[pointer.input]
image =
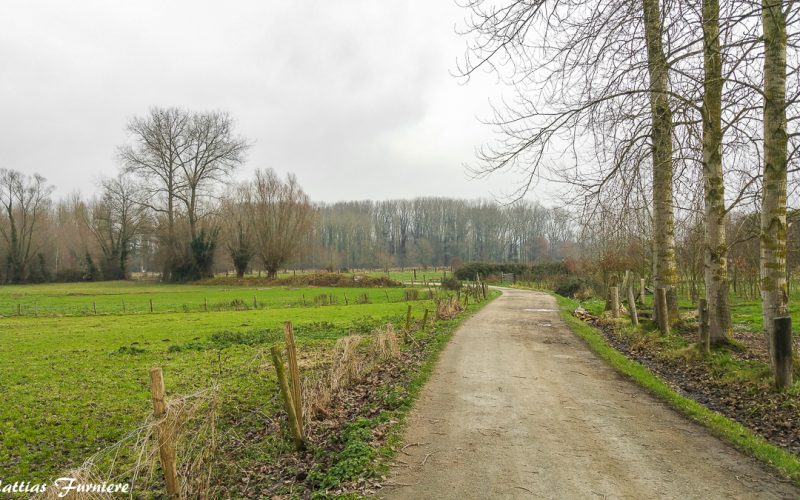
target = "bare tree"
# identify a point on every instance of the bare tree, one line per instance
(237, 227)
(774, 293)
(116, 220)
(24, 201)
(282, 215)
(184, 158)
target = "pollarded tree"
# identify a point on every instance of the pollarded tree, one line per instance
(116, 220)
(237, 227)
(281, 217)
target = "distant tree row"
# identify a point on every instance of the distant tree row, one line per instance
(172, 210)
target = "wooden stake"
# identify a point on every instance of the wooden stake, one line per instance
(286, 394)
(408, 318)
(642, 291)
(346, 302)
(151, 305)
(632, 306)
(702, 319)
(662, 310)
(166, 442)
(94, 307)
(255, 302)
(614, 296)
(123, 305)
(294, 372)
(424, 320)
(387, 296)
(19, 310)
(783, 352)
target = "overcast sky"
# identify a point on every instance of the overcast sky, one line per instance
(354, 97)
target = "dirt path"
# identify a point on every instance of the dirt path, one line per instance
(519, 407)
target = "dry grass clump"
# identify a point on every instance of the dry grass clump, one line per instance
(191, 420)
(448, 308)
(352, 358)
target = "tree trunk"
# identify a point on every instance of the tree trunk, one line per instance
(664, 266)
(716, 251)
(773, 209)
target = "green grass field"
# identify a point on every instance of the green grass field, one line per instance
(133, 297)
(77, 383)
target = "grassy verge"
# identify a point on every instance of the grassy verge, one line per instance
(742, 438)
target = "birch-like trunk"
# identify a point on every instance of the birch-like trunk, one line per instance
(774, 294)
(716, 251)
(664, 265)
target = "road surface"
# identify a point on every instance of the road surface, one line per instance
(518, 407)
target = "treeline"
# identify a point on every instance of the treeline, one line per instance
(438, 232)
(173, 211)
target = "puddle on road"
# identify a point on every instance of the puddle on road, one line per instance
(540, 310)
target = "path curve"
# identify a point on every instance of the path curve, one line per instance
(518, 407)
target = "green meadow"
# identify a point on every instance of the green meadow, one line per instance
(75, 382)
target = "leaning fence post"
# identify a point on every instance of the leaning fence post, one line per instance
(287, 397)
(632, 306)
(783, 352)
(166, 442)
(642, 290)
(294, 371)
(662, 310)
(702, 318)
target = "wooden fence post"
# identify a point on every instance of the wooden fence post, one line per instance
(387, 296)
(702, 318)
(286, 392)
(166, 435)
(346, 302)
(151, 305)
(642, 291)
(294, 371)
(123, 305)
(424, 319)
(408, 318)
(614, 292)
(255, 302)
(662, 310)
(632, 306)
(94, 307)
(783, 352)
(19, 310)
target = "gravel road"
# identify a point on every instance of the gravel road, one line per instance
(518, 407)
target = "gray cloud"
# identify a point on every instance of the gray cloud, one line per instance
(353, 96)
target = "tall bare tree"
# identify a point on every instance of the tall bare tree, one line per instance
(185, 157)
(774, 292)
(716, 264)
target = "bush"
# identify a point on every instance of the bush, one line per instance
(574, 288)
(451, 283)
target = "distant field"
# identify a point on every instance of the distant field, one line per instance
(403, 275)
(133, 297)
(77, 383)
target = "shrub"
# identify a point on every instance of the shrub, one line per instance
(575, 288)
(451, 283)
